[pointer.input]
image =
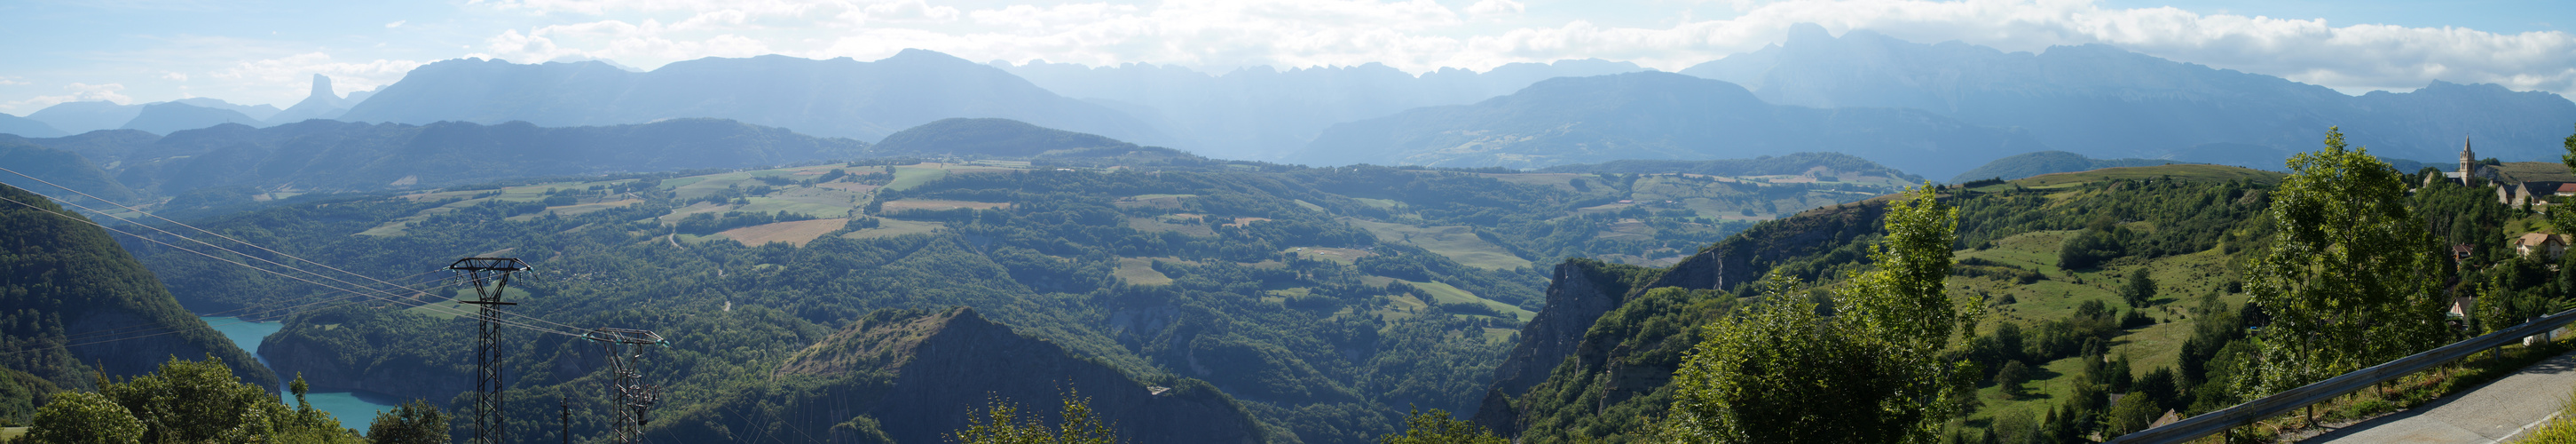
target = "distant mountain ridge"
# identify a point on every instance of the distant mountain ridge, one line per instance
(321, 103)
(1653, 115)
(68, 286)
(1263, 113)
(2045, 162)
(168, 117)
(25, 127)
(60, 167)
(341, 156)
(82, 117)
(831, 98)
(1795, 163)
(2107, 102)
(988, 137)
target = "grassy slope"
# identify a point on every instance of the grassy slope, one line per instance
(1459, 243)
(2148, 348)
(2210, 173)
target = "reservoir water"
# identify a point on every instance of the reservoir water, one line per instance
(353, 409)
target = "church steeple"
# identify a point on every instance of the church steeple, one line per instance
(2468, 162)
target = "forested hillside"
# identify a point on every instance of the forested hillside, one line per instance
(1324, 301)
(73, 305)
(2045, 162)
(226, 167)
(2118, 281)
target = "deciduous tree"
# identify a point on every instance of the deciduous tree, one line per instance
(2350, 278)
(84, 418)
(1002, 423)
(1873, 372)
(414, 422)
(1436, 427)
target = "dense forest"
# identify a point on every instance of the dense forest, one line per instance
(1343, 304)
(2130, 284)
(74, 307)
(1326, 302)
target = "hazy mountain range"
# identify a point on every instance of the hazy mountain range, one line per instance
(1654, 115)
(324, 155)
(832, 98)
(1934, 109)
(1263, 113)
(2103, 101)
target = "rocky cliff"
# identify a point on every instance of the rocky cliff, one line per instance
(1608, 337)
(1579, 293)
(911, 376)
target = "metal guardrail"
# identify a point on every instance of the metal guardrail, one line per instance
(2243, 414)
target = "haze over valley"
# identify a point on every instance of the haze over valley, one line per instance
(1272, 222)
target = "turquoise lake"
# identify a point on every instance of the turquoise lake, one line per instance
(354, 409)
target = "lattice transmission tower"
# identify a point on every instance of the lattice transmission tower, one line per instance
(490, 276)
(625, 349)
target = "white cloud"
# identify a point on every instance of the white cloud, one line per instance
(1422, 35)
(12, 81)
(174, 75)
(617, 40)
(79, 92)
(902, 11)
(291, 76)
(396, 24)
(1494, 8)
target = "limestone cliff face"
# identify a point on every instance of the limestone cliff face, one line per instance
(1620, 367)
(912, 377)
(1575, 298)
(1746, 256)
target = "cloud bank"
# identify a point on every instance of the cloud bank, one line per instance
(1422, 35)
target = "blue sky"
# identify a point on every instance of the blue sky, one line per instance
(263, 51)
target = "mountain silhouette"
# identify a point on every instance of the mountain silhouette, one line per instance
(2106, 102)
(1655, 115)
(834, 98)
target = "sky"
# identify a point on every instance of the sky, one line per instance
(265, 51)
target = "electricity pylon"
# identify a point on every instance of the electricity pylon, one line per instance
(490, 276)
(625, 349)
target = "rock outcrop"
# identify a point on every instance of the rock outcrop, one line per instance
(1625, 367)
(1575, 298)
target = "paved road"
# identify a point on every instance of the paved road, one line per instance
(2497, 411)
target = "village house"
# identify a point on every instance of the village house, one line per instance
(2550, 244)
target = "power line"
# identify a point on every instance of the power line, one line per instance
(567, 327)
(431, 307)
(85, 336)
